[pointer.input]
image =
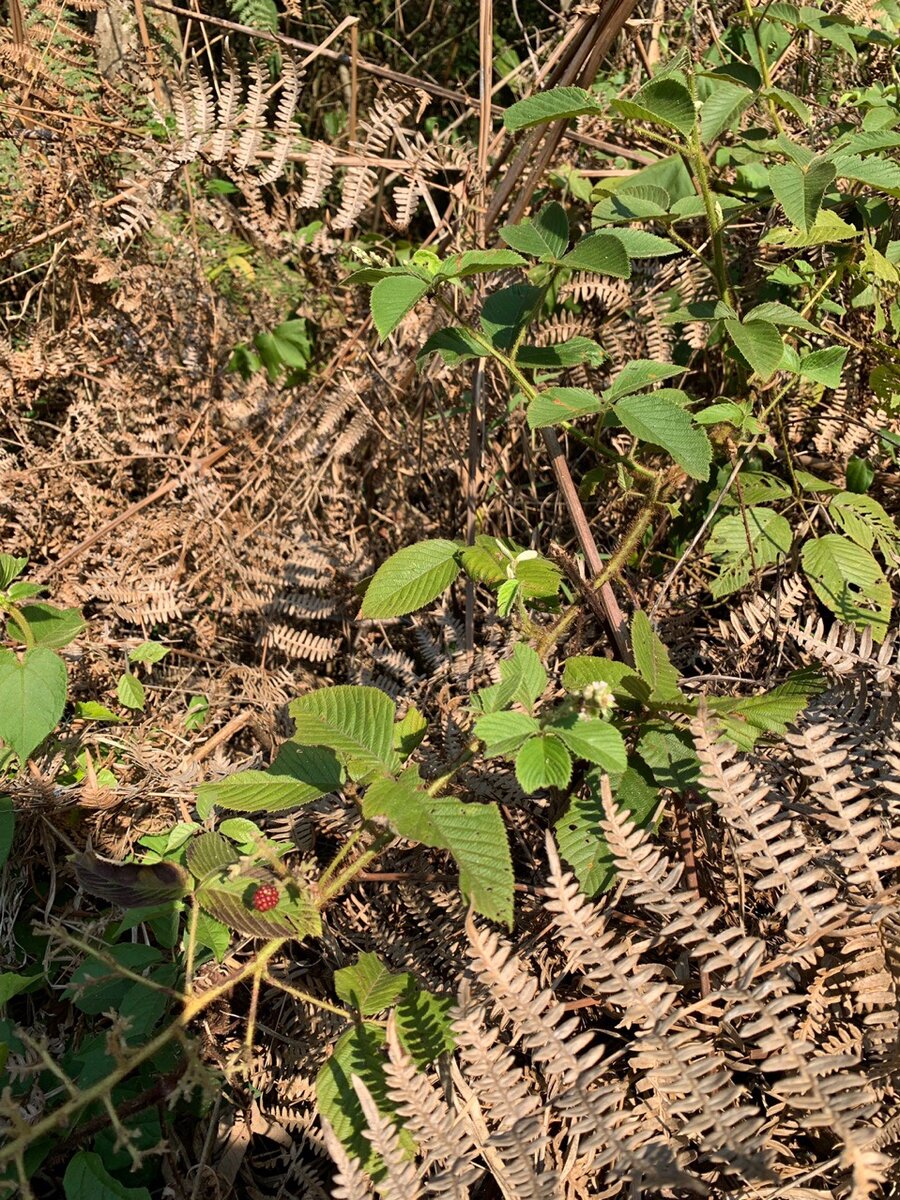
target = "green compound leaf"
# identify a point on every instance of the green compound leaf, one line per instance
(601, 253)
(357, 721)
(393, 298)
(559, 104)
(759, 342)
(369, 986)
(800, 190)
(32, 697)
(746, 542)
(865, 522)
(504, 732)
(411, 578)
(662, 102)
(299, 775)
(848, 581)
(659, 420)
(543, 236)
(579, 832)
(652, 660)
(473, 833)
(543, 762)
(594, 740)
(559, 404)
(744, 721)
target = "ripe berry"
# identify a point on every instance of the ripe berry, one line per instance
(266, 897)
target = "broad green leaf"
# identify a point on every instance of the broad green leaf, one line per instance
(477, 262)
(601, 253)
(538, 577)
(409, 732)
(866, 522)
(744, 721)
(543, 762)
(32, 697)
(583, 669)
(504, 732)
(7, 827)
(246, 834)
(10, 569)
(392, 298)
(570, 353)
(670, 755)
(130, 692)
(453, 344)
(824, 366)
(473, 833)
(148, 652)
(558, 104)
(358, 721)
(288, 344)
(656, 419)
(411, 578)
(662, 102)
(744, 543)
(51, 626)
(860, 475)
(208, 853)
(359, 1052)
(579, 832)
(213, 934)
(424, 1024)
(800, 191)
(592, 739)
(543, 236)
(632, 202)
(505, 313)
(759, 343)
(557, 404)
(86, 1178)
(876, 172)
(777, 313)
(636, 375)
(299, 775)
(369, 986)
(723, 105)
(652, 660)
(228, 896)
(639, 243)
(848, 581)
(523, 680)
(12, 984)
(829, 227)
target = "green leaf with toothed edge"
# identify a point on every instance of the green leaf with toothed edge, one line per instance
(543, 762)
(652, 660)
(411, 578)
(543, 236)
(32, 697)
(369, 986)
(357, 721)
(558, 104)
(392, 298)
(848, 581)
(299, 775)
(657, 419)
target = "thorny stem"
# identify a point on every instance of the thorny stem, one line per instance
(764, 69)
(358, 864)
(437, 786)
(350, 843)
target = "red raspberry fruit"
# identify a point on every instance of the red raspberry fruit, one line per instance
(266, 897)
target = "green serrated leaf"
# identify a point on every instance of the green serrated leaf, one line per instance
(601, 253)
(558, 104)
(409, 732)
(477, 262)
(210, 852)
(866, 522)
(213, 934)
(411, 578)
(570, 353)
(800, 190)
(543, 762)
(10, 568)
(504, 732)
(848, 581)
(663, 102)
(506, 312)
(744, 543)
(454, 345)
(639, 243)
(829, 227)
(594, 740)
(50, 626)
(670, 755)
(655, 418)
(358, 721)
(777, 313)
(130, 885)
(824, 366)
(652, 660)
(558, 404)
(759, 343)
(392, 298)
(148, 652)
(744, 721)
(130, 692)
(523, 680)
(583, 669)
(369, 986)
(32, 697)
(632, 202)
(228, 896)
(723, 105)
(299, 775)
(637, 375)
(543, 236)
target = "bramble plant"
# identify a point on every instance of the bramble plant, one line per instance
(699, 441)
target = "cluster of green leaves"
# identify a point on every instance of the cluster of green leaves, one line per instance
(287, 350)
